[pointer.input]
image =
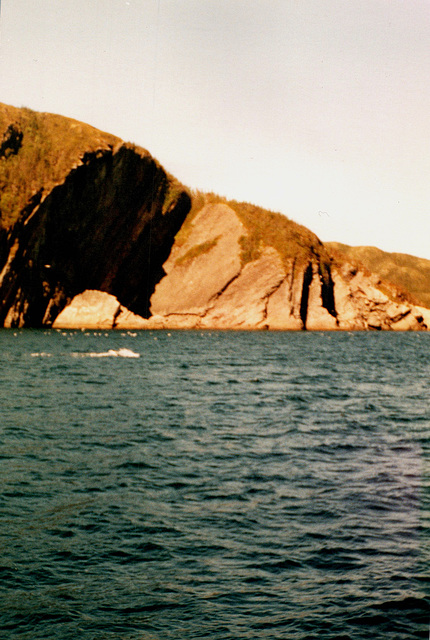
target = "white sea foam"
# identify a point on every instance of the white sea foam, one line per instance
(42, 354)
(112, 353)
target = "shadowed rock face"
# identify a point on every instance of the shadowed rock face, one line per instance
(109, 226)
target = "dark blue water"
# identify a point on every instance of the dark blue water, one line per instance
(220, 485)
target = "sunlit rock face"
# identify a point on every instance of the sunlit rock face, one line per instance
(207, 286)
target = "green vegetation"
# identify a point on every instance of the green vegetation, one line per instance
(250, 248)
(197, 250)
(174, 190)
(409, 274)
(38, 150)
(270, 229)
(49, 147)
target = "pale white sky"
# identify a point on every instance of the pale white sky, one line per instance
(319, 109)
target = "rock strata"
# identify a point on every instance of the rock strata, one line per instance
(207, 286)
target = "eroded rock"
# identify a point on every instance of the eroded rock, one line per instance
(201, 267)
(206, 286)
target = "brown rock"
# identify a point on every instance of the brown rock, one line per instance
(89, 310)
(207, 287)
(318, 317)
(283, 306)
(198, 270)
(243, 304)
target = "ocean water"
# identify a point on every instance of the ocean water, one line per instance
(221, 485)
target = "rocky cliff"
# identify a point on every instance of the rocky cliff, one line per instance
(100, 215)
(407, 272)
(213, 281)
(94, 233)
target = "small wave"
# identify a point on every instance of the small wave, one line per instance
(278, 566)
(42, 354)
(112, 353)
(134, 465)
(408, 603)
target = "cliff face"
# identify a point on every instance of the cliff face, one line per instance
(209, 284)
(220, 286)
(94, 233)
(109, 225)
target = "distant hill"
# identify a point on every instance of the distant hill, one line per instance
(405, 271)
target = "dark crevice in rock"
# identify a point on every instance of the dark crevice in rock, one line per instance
(327, 290)
(307, 279)
(221, 291)
(116, 316)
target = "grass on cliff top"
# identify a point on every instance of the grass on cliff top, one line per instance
(265, 229)
(408, 273)
(49, 147)
(401, 277)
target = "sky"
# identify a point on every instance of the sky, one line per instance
(319, 109)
